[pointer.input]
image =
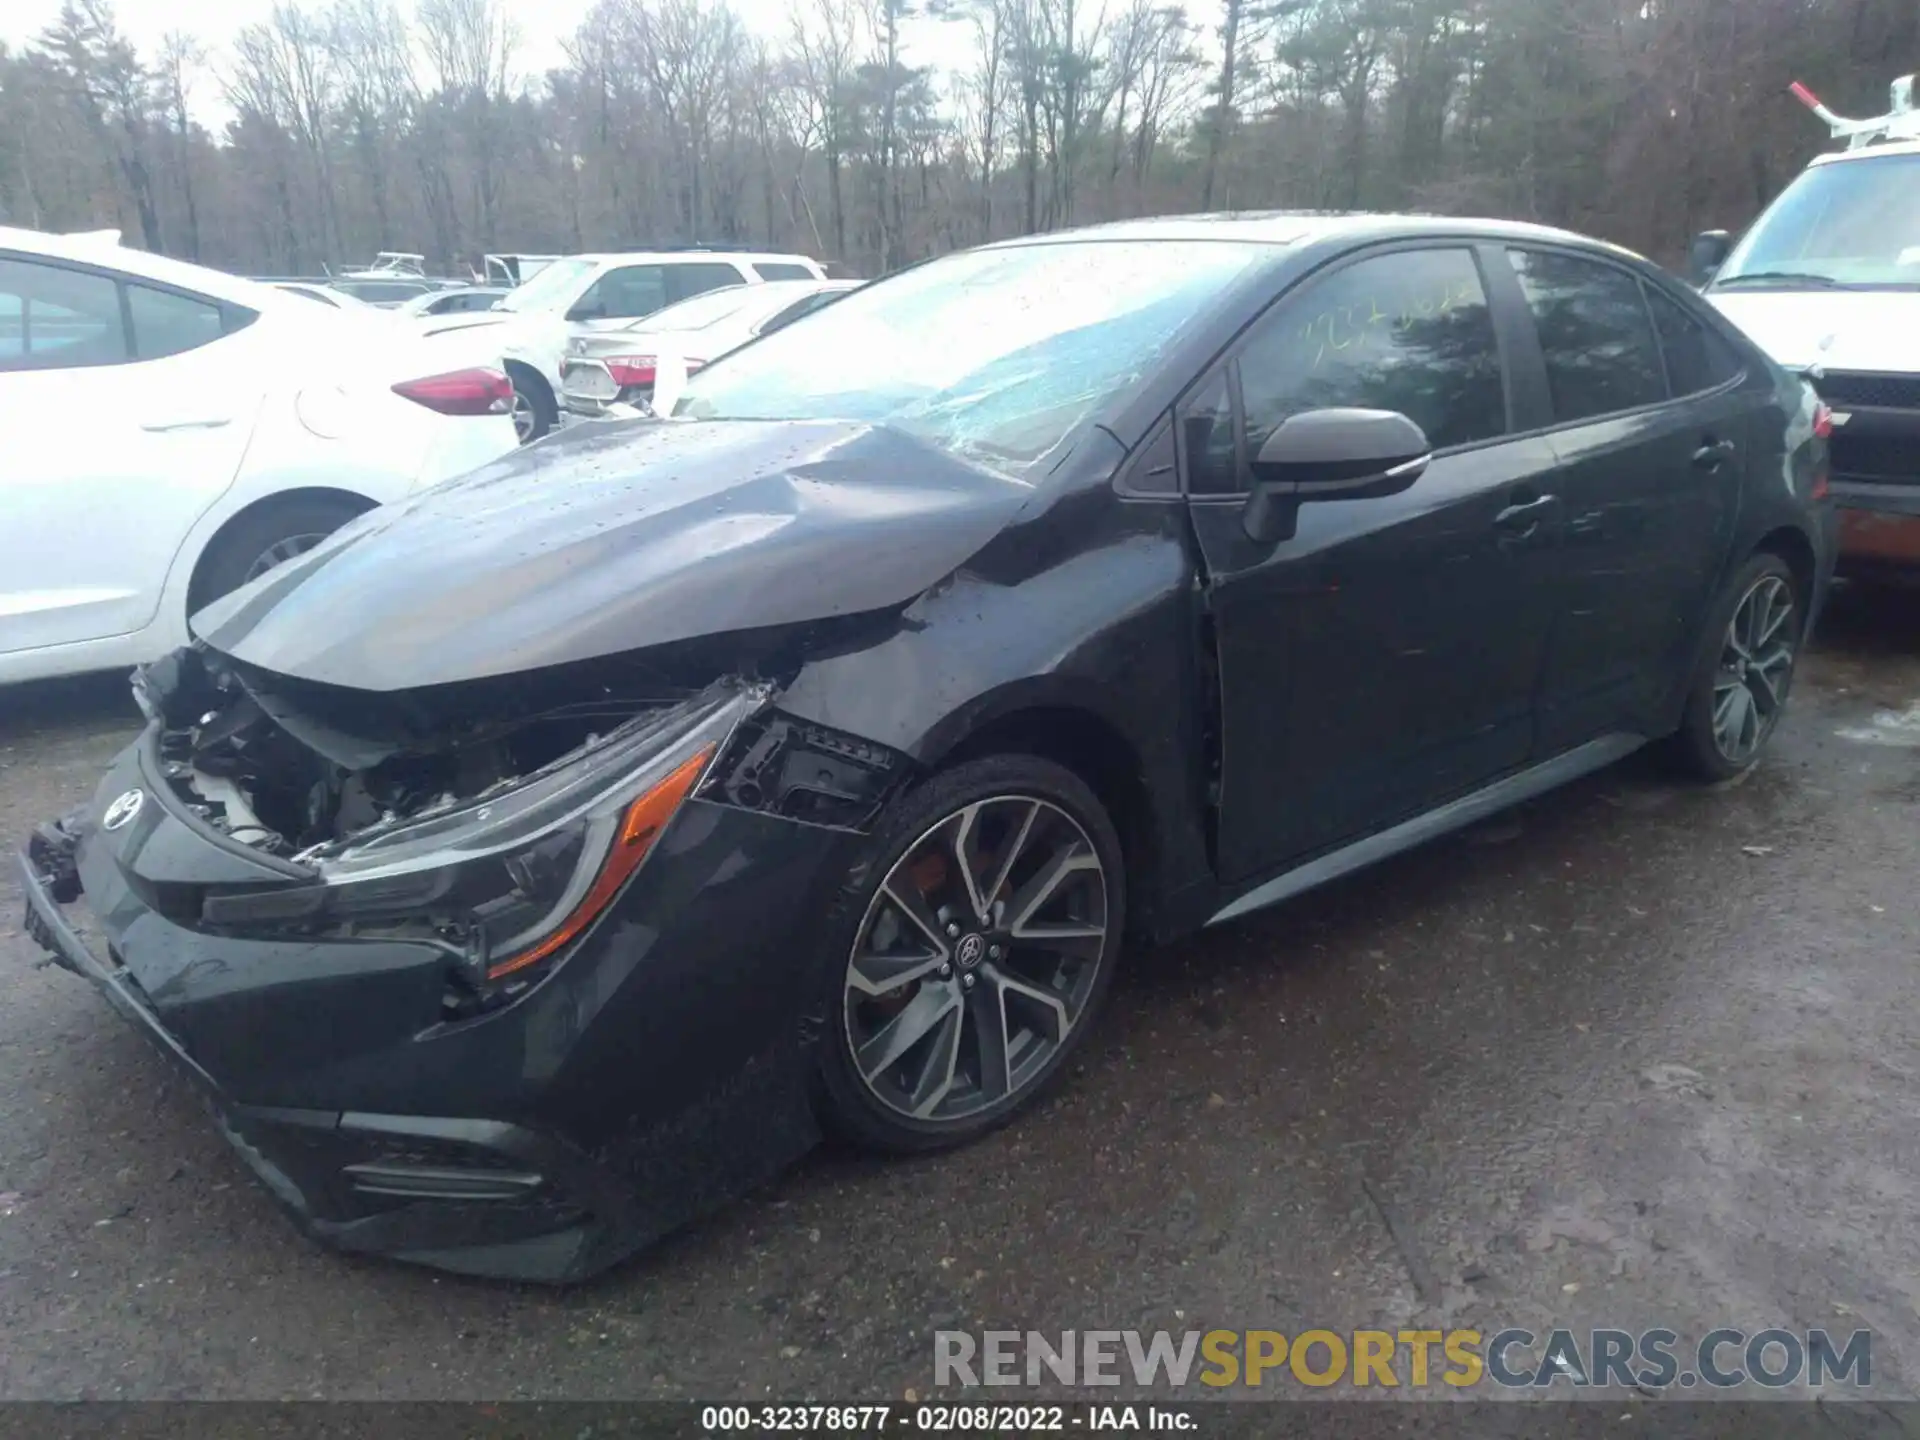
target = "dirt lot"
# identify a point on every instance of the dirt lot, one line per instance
(1637, 1055)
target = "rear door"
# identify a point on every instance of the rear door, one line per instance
(1649, 437)
(1385, 657)
(126, 408)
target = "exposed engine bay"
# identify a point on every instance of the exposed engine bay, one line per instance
(300, 770)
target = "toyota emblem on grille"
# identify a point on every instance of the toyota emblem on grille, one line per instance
(123, 809)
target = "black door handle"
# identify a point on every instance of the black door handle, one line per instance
(1713, 454)
(1525, 516)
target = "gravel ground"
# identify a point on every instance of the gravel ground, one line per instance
(1638, 1054)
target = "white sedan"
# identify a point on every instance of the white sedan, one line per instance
(171, 432)
(645, 361)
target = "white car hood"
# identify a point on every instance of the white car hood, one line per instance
(1836, 329)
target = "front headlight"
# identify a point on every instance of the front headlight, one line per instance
(507, 879)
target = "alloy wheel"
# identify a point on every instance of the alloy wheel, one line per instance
(280, 552)
(524, 415)
(1756, 665)
(976, 959)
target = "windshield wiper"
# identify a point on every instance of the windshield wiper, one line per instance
(1784, 277)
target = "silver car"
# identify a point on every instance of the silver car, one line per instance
(627, 366)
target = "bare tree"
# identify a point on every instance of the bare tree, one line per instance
(826, 42)
(355, 125)
(181, 59)
(114, 92)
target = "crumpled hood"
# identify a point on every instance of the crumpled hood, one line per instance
(614, 537)
(1837, 329)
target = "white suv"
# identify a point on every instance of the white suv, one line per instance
(168, 433)
(1827, 282)
(593, 292)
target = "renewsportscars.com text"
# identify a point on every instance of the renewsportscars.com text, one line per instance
(1656, 1359)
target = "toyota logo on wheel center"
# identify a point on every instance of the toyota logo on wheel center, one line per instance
(971, 949)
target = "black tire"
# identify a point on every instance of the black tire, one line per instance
(238, 552)
(1697, 748)
(531, 391)
(1001, 785)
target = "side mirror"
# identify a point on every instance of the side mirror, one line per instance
(1331, 455)
(1707, 254)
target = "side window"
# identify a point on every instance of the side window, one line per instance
(166, 324)
(1697, 359)
(781, 270)
(625, 294)
(55, 318)
(686, 281)
(1594, 332)
(1206, 441)
(1410, 331)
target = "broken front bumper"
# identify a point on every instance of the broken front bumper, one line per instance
(490, 1198)
(658, 1071)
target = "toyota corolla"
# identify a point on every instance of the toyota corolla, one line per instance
(541, 860)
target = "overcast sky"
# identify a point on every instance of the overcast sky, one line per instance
(544, 24)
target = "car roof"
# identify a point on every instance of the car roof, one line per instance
(626, 257)
(103, 248)
(1868, 152)
(1289, 228)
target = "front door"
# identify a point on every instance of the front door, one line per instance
(1384, 658)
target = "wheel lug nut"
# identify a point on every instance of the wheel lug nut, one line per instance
(993, 952)
(966, 982)
(946, 972)
(952, 930)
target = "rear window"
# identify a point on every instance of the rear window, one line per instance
(781, 270)
(166, 323)
(1697, 359)
(378, 292)
(702, 310)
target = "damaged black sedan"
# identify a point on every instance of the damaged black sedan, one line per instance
(542, 860)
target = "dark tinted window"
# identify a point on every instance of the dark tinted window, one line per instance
(166, 324)
(1598, 343)
(1697, 359)
(625, 294)
(776, 270)
(1409, 332)
(1206, 440)
(686, 281)
(382, 292)
(52, 318)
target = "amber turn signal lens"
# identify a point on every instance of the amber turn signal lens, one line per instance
(645, 818)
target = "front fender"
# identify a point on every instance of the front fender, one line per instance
(1105, 631)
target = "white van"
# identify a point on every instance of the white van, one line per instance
(1827, 281)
